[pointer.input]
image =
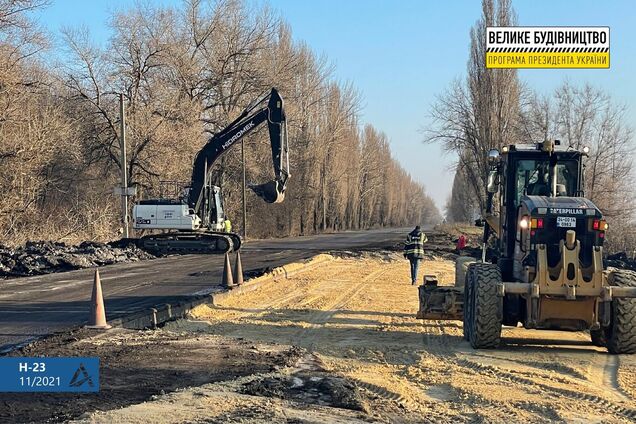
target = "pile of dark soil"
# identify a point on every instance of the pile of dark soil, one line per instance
(314, 388)
(135, 366)
(45, 257)
(621, 260)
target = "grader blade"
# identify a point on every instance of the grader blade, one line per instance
(440, 302)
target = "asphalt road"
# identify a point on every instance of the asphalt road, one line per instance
(36, 306)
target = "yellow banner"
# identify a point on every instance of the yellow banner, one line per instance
(548, 60)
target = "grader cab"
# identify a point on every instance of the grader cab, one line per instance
(541, 261)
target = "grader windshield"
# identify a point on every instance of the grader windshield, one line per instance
(533, 178)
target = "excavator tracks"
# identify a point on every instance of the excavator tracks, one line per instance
(185, 243)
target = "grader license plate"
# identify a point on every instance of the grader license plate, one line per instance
(566, 222)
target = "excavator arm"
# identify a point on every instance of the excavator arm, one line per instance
(256, 114)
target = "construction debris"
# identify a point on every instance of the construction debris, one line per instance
(45, 257)
(620, 260)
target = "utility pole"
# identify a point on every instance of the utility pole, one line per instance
(244, 197)
(123, 163)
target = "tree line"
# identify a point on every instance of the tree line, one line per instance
(492, 108)
(185, 72)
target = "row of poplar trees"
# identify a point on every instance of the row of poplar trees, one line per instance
(185, 72)
(492, 108)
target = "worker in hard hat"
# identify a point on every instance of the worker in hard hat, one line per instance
(227, 226)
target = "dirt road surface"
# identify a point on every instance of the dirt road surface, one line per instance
(344, 346)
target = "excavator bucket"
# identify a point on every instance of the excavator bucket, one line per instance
(271, 192)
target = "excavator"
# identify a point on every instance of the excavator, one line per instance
(542, 257)
(193, 222)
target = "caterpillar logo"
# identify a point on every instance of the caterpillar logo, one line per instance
(566, 211)
(547, 47)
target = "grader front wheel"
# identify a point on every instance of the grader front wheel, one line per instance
(486, 307)
(468, 304)
(621, 333)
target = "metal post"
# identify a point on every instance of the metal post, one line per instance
(123, 163)
(244, 197)
(205, 214)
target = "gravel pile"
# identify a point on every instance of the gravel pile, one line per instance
(45, 257)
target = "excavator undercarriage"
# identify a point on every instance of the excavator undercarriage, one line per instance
(190, 242)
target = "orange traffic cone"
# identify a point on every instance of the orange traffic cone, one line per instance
(97, 320)
(238, 270)
(228, 281)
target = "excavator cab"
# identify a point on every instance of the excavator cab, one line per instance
(213, 213)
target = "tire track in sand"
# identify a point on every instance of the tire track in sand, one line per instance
(320, 318)
(610, 377)
(297, 293)
(499, 373)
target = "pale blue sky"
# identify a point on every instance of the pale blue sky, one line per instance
(401, 54)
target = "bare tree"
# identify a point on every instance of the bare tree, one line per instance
(481, 113)
(184, 73)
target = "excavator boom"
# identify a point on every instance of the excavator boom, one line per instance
(248, 121)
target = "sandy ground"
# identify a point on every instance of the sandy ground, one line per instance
(365, 358)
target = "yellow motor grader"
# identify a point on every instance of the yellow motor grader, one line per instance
(541, 261)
